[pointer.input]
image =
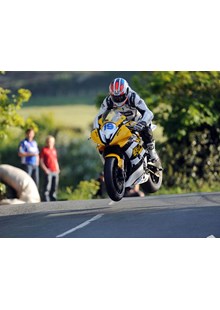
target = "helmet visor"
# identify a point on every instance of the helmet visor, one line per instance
(119, 99)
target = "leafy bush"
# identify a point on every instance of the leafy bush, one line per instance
(79, 160)
(187, 107)
(84, 190)
(10, 104)
(2, 191)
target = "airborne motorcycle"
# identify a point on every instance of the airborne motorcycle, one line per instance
(126, 162)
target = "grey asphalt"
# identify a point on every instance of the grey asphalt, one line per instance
(163, 216)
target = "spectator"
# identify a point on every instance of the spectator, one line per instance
(101, 193)
(134, 191)
(29, 153)
(49, 164)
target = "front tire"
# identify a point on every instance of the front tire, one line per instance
(114, 181)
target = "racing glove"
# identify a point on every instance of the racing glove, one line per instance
(140, 126)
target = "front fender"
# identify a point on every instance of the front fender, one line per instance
(119, 159)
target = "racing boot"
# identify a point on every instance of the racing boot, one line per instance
(154, 158)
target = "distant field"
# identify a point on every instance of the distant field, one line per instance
(65, 99)
(80, 116)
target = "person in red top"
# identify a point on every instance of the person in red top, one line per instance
(49, 164)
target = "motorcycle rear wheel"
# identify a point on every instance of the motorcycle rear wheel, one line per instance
(114, 182)
(154, 182)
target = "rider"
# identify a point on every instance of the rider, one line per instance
(129, 103)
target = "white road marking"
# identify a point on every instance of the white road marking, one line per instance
(81, 225)
(211, 236)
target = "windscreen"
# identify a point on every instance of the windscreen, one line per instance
(111, 116)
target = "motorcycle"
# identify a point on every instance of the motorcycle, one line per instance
(126, 162)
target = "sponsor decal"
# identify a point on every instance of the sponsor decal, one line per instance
(137, 150)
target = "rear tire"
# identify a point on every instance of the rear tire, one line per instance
(115, 184)
(154, 182)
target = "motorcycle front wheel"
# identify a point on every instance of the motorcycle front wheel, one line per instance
(114, 180)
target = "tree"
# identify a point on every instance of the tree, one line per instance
(187, 105)
(10, 104)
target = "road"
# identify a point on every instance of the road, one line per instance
(164, 216)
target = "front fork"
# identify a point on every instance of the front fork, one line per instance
(120, 161)
(114, 152)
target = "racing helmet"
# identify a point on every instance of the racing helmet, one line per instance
(118, 90)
